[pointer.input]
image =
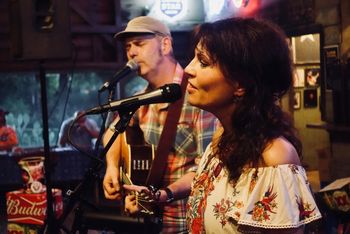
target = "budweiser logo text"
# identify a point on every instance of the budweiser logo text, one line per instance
(30, 208)
(15, 207)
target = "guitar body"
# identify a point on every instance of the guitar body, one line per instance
(137, 160)
(137, 155)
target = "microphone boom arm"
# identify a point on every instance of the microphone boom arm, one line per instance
(120, 126)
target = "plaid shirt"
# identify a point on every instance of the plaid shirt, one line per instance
(194, 132)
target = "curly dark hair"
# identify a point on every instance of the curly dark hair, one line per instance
(255, 54)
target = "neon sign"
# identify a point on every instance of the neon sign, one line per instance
(171, 8)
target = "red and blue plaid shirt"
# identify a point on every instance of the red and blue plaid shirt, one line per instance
(194, 132)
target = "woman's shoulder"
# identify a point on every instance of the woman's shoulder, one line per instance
(280, 151)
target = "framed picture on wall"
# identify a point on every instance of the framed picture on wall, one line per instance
(332, 67)
(310, 98)
(312, 77)
(298, 78)
(297, 100)
(306, 48)
(331, 54)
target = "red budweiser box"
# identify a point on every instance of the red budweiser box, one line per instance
(30, 208)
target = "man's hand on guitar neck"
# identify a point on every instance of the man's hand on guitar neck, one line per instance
(111, 184)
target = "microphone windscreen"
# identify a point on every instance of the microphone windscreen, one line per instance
(171, 92)
(133, 65)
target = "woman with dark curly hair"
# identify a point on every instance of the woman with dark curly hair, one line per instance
(250, 178)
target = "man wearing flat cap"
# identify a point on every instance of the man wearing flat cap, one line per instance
(148, 42)
(8, 136)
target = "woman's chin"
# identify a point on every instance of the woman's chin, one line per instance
(196, 103)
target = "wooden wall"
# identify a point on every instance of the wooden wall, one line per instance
(92, 25)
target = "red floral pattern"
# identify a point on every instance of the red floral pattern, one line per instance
(253, 181)
(203, 185)
(304, 209)
(218, 205)
(221, 209)
(265, 206)
(294, 168)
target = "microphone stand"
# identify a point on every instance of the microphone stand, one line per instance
(73, 195)
(50, 218)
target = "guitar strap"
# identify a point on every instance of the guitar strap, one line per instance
(167, 139)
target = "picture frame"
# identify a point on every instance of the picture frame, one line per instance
(331, 54)
(298, 78)
(306, 48)
(331, 61)
(312, 77)
(310, 98)
(297, 100)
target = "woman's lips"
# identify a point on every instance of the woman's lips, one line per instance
(190, 87)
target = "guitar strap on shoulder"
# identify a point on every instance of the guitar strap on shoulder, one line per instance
(167, 139)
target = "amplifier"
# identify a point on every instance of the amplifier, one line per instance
(70, 166)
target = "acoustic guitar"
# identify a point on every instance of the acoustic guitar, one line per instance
(137, 157)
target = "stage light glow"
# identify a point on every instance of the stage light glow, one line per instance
(216, 6)
(240, 3)
(215, 9)
(237, 3)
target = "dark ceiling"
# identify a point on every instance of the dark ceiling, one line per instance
(79, 33)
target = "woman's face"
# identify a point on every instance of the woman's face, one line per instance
(207, 87)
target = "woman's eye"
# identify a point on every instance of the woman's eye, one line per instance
(203, 63)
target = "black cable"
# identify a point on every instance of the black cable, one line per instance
(70, 82)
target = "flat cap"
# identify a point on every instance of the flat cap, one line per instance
(143, 25)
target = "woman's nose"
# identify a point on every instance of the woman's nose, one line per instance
(189, 69)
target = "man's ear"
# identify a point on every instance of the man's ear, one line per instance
(166, 45)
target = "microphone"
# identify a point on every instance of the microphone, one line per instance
(166, 93)
(130, 66)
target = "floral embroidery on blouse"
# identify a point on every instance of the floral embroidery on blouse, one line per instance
(253, 181)
(265, 206)
(304, 209)
(221, 209)
(238, 205)
(293, 168)
(204, 185)
(264, 197)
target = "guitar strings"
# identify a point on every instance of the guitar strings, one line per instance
(139, 198)
(126, 180)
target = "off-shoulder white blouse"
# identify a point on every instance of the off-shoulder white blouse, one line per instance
(272, 197)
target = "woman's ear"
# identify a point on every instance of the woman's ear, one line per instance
(239, 92)
(238, 95)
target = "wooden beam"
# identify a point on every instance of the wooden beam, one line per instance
(103, 29)
(95, 28)
(60, 66)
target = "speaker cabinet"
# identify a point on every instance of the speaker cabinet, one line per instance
(39, 29)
